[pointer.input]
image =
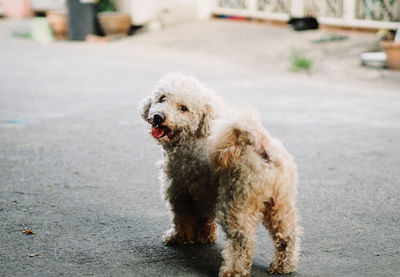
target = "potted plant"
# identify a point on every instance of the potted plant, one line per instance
(392, 50)
(59, 23)
(114, 24)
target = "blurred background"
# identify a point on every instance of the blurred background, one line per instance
(359, 32)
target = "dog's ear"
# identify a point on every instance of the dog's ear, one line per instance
(144, 107)
(203, 129)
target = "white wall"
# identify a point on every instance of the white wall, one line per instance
(166, 12)
(42, 5)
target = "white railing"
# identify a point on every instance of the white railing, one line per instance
(374, 14)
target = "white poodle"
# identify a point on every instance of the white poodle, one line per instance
(233, 170)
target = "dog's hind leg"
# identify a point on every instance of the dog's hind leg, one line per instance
(239, 227)
(281, 221)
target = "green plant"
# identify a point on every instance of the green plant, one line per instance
(301, 61)
(106, 5)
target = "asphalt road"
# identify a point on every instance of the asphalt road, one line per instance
(77, 165)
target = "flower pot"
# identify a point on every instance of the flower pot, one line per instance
(17, 8)
(59, 24)
(115, 24)
(392, 50)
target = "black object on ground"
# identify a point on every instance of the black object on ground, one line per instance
(303, 23)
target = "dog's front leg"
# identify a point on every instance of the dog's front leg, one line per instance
(206, 230)
(189, 226)
(184, 221)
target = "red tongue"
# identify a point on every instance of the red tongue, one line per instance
(157, 132)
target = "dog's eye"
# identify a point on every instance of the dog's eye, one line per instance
(183, 108)
(162, 99)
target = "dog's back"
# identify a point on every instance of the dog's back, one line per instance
(238, 136)
(241, 146)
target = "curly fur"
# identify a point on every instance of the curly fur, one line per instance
(187, 178)
(257, 180)
(219, 162)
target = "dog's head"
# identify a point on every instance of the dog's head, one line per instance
(180, 108)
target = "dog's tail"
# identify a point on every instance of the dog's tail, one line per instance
(228, 146)
(231, 138)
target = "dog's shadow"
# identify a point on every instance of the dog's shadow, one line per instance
(203, 259)
(207, 259)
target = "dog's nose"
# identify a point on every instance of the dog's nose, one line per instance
(158, 118)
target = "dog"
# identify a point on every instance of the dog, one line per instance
(219, 163)
(257, 182)
(180, 110)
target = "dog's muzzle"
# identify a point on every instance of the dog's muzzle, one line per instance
(158, 131)
(158, 118)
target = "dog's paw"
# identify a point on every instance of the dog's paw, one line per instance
(232, 273)
(207, 237)
(281, 268)
(206, 240)
(172, 237)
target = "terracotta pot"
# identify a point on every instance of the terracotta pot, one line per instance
(392, 50)
(59, 24)
(17, 8)
(115, 24)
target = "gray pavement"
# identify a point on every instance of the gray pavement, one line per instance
(77, 162)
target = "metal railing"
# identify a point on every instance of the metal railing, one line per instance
(347, 13)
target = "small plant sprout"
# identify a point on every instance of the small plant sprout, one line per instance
(301, 61)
